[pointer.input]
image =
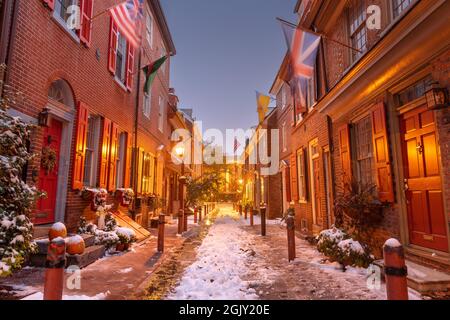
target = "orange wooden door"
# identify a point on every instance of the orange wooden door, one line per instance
(423, 185)
(48, 179)
(317, 200)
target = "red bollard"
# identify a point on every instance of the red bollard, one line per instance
(263, 221)
(180, 221)
(290, 224)
(196, 215)
(161, 224)
(54, 274)
(245, 213)
(240, 210)
(199, 214)
(395, 270)
(252, 214)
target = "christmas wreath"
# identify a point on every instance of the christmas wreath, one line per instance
(48, 159)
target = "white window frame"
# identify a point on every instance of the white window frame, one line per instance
(161, 114)
(283, 137)
(57, 16)
(120, 38)
(163, 54)
(147, 104)
(313, 156)
(120, 165)
(301, 163)
(402, 5)
(358, 29)
(149, 31)
(95, 151)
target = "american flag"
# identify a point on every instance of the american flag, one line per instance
(128, 16)
(303, 47)
(236, 145)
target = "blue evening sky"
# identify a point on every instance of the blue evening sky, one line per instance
(226, 49)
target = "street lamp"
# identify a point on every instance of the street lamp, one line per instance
(179, 151)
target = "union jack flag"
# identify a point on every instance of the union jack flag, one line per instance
(303, 47)
(128, 16)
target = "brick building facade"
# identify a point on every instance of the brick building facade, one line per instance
(105, 131)
(372, 123)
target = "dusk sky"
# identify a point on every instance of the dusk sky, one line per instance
(225, 51)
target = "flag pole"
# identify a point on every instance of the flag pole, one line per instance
(318, 34)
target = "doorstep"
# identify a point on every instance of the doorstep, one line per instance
(422, 278)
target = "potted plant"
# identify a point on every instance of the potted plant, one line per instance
(126, 238)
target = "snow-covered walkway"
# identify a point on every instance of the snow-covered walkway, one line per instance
(221, 262)
(235, 262)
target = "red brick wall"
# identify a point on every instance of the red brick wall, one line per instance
(43, 51)
(315, 125)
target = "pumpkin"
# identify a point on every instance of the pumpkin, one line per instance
(57, 230)
(75, 245)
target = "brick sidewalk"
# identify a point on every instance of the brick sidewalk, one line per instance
(121, 275)
(309, 277)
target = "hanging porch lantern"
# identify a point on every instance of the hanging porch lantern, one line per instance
(437, 98)
(44, 118)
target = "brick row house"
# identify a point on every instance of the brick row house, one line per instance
(105, 131)
(371, 118)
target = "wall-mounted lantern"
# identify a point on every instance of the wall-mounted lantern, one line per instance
(437, 98)
(43, 118)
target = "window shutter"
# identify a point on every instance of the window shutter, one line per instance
(113, 155)
(381, 154)
(86, 11)
(294, 184)
(113, 38)
(287, 176)
(130, 67)
(50, 4)
(345, 154)
(104, 157)
(80, 146)
(128, 161)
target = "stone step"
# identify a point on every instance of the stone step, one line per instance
(422, 278)
(89, 241)
(90, 255)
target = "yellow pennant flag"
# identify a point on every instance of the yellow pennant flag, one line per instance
(263, 102)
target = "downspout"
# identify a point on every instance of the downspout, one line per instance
(136, 125)
(9, 17)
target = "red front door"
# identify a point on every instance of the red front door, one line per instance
(423, 185)
(48, 179)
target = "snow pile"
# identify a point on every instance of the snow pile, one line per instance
(216, 274)
(351, 246)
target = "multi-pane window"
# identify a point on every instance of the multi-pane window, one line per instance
(284, 96)
(90, 160)
(147, 104)
(301, 174)
(358, 28)
(63, 12)
(311, 92)
(148, 174)
(283, 137)
(120, 165)
(149, 28)
(399, 6)
(161, 114)
(415, 91)
(121, 58)
(163, 54)
(364, 151)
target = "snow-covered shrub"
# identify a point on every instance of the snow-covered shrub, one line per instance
(107, 238)
(354, 253)
(17, 199)
(340, 247)
(110, 222)
(328, 240)
(126, 235)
